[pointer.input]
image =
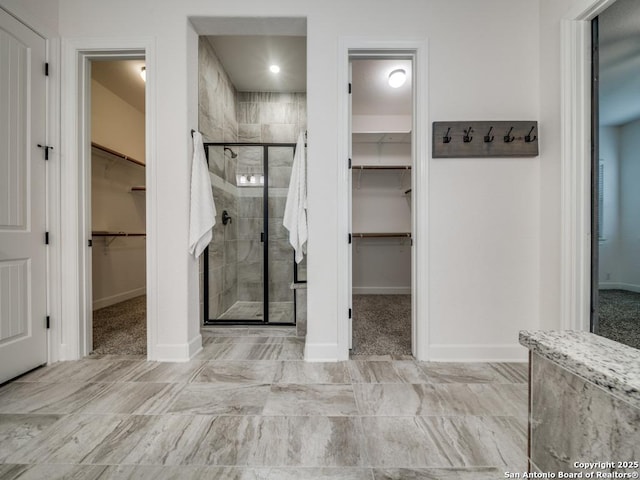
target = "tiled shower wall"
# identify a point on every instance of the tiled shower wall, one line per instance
(235, 266)
(217, 100)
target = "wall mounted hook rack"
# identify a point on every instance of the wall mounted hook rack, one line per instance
(455, 140)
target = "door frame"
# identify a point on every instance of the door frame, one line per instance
(417, 49)
(75, 200)
(575, 236)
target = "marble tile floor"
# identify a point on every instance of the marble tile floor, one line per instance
(248, 407)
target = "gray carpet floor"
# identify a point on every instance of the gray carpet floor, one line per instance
(619, 316)
(381, 325)
(121, 329)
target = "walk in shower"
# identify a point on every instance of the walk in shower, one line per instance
(249, 265)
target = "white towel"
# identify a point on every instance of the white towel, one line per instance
(295, 210)
(202, 216)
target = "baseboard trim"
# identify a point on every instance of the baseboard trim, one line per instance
(630, 287)
(478, 353)
(381, 290)
(322, 352)
(121, 297)
(181, 352)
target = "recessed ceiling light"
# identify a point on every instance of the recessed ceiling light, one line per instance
(143, 73)
(274, 69)
(397, 78)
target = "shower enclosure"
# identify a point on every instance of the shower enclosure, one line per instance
(249, 265)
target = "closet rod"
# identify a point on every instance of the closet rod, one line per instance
(382, 235)
(117, 154)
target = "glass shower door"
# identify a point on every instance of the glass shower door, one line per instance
(236, 254)
(250, 263)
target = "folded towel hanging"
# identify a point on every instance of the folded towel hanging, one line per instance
(295, 210)
(202, 215)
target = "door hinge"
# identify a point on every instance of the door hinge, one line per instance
(349, 313)
(46, 69)
(90, 242)
(349, 163)
(46, 238)
(349, 238)
(48, 322)
(349, 87)
(46, 150)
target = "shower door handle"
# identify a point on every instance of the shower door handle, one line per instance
(262, 237)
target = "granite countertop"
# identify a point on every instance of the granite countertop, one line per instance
(608, 364)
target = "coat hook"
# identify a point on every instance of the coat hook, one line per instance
(528, 138)
(467, 135)
(488, 138)
(508, 138)
(446, 138)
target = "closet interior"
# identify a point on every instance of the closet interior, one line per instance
(381, 223)
(118, 205)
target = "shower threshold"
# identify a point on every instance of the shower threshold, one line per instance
(280, 313)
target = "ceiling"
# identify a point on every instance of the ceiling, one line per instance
(122, 77)
(246, 59)
(619, 50)
(371, 93)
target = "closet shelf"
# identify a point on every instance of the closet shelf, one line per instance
(383, 235)
(381, 167)
(116, 234)
(117, 154)
(382, 137)
(402, 169)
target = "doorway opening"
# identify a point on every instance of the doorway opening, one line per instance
(381, 220)
(117, 213)
(615, 173)
(252, 116)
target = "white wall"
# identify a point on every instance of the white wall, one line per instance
(630, 206)
(608, 251)
(115, 123)
(41, 16)
(494, 240)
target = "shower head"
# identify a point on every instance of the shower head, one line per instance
(233, 154)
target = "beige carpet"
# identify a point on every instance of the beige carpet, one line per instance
(121, 329)
(619, 316)
(381, 325)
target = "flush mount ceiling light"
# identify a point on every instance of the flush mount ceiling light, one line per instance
(143, 73)
(397, 78)
(274, 69)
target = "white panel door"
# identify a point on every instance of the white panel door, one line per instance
(23, 339)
